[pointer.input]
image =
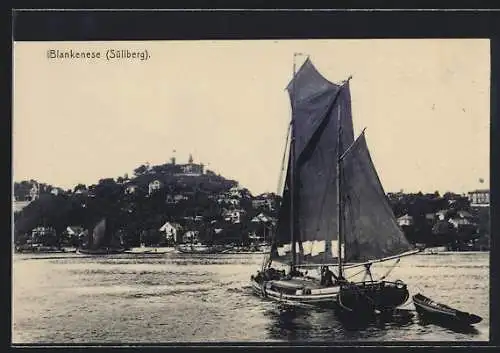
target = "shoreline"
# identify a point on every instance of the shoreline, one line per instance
(169, 251)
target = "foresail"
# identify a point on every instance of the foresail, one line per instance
(370, 228)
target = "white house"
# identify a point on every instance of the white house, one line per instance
(442, 214)
(459, 221)
(265, 200)
(461, 218)
(173, 199)
(170, 199)
(259, 203)
(191, 236)
(405, 220)
(34, 192)
(261, 218)
(74, 230)
(155, 185)
(19, 205)
(38, 234)
(130, 188)
(233, 216)
(171, 230)
(430, 217)
(464, 214)
(234, 192)
(233, 201)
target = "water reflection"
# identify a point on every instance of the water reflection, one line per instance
(453, 327)
(310, 324)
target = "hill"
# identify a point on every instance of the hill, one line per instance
(143, 203)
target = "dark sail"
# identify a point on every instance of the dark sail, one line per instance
(316, 105)
(311, 97)
(370, 228)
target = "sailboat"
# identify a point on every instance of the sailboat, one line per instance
(101, 242)
(334, 212)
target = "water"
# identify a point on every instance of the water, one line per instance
(166, 298)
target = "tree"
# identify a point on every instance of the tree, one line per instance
(81, 187)
(142, 169)
(158, 169)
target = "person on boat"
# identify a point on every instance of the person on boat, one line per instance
(271, 273)
(328, 277)
(259, 277)
(296, 273)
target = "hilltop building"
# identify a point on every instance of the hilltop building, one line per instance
(479, 198)
(189, 169)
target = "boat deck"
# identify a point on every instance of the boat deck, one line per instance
(298, 283)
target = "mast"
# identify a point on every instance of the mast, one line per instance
(339, 196)
(292, 171)
(340, 156)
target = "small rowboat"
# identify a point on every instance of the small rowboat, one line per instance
(430, 309)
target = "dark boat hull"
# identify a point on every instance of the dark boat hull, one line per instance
(440, 313)
(367, 298)
(100, 251)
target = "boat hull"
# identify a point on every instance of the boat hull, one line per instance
(100, 251)
(198, 250)
(236, 252)
(158, 250)
(440, 313)
(295, 294)
(372, 296)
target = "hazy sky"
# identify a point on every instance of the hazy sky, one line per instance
(425, 104)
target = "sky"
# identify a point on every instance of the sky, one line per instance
(425, 105)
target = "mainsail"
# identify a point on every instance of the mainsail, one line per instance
(316, 104)
(321, 112)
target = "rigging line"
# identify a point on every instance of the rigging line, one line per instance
(390, 269)
(355, 274)
(352, 144)
(280, 180)
(382, 260)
